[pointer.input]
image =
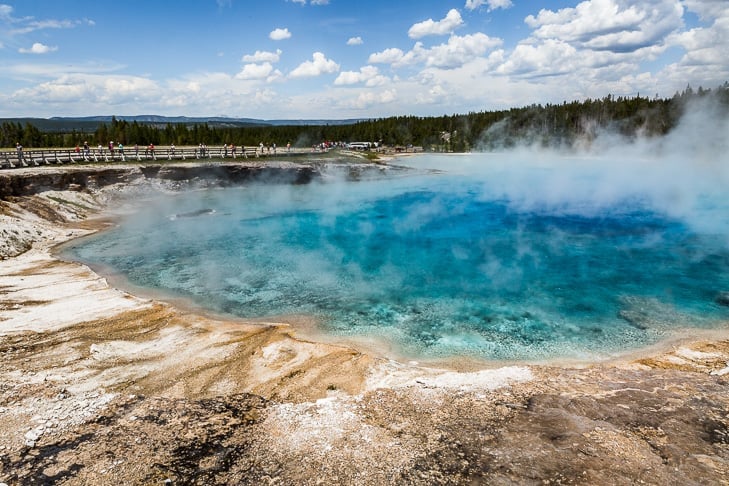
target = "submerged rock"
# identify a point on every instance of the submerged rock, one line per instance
(635, 319)
(192, 214)
(723, 298)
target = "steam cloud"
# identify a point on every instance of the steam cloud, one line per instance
(683, 175)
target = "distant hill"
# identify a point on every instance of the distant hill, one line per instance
(89, 124)
(157, 119)
(217, 121)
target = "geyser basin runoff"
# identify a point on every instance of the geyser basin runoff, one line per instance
(495, 257)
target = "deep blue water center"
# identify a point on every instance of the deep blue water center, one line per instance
(485, 258)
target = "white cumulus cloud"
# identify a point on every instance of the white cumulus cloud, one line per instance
(705, 57)
(354, 41)
(547, 59)
(255, 71)
(611, 25)
(263, 56)
(369, 75)
(279, 34)
(388, 56)
(368, 99)
(92, 88)
(447, 25)
(452, 54)
(37, 48)
(458, 50)
(492, 4)
(317, 66)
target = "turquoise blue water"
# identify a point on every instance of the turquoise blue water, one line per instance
(489, 258)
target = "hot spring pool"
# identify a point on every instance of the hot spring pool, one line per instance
(492, 257)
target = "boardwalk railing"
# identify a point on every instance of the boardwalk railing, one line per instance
(12, 159)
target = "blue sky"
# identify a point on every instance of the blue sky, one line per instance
(340, 59)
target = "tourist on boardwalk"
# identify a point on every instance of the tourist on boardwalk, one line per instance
(232, 150)
(87, 150)
(225, 150)
(288, 148)
(121, 149)
(19, 149)
(136, 150)
(111, 149)
(151, 149)
(261, 146)
(172, 149)
(274, 149)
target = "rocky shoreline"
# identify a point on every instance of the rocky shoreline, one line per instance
(98, 386)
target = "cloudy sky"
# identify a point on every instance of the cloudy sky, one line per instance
(341, 59)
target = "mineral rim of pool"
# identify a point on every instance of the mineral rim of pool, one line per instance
(490, 257)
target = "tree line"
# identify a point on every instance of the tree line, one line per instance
(548, 125)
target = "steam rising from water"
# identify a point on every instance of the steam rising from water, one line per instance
(519, 255)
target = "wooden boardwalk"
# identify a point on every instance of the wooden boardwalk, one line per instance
(13, 159)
